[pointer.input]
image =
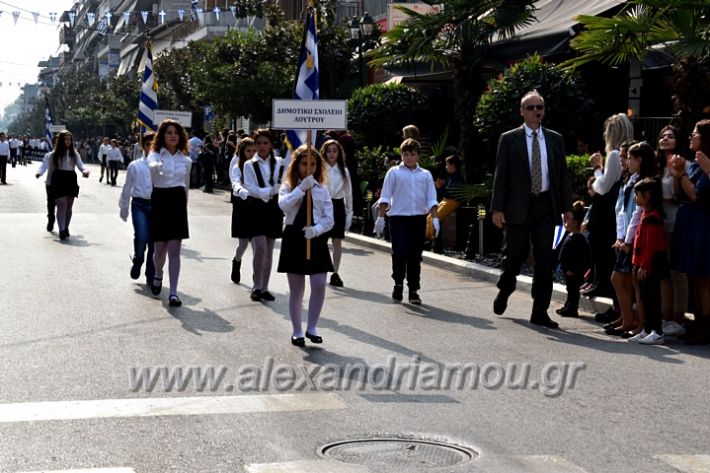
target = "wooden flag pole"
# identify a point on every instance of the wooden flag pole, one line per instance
(309, 196)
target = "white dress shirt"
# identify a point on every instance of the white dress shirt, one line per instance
(290, 203)
(114, 154)
(612, 173)
(103, 150)
(251, 184)
(65, 164)
(169, 170)
(408, 192)
(543, 155)
(235, 175)
(44, 166)
(14, 143)
(138, 183)
(4, 148)
(340, 188)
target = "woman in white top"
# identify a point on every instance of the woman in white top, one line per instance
(340, 188)
(292, 259)
(240, 212)
(62, 179)
(114, 159)
(103, 159)
(170, 170)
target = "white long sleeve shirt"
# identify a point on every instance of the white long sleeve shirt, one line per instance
(44, 166)
(169, 170)
(408, 192)
(290, 203)
(65, 164)
(235, 175)
(4, 148)
(251, 184)
(114, 154)
(103, 150)
(612, 173)
(340, 188)
(138, 183)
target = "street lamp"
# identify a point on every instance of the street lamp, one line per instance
(361, 31)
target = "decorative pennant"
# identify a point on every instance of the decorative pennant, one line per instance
(126, 18)
(15, 16)
(53, 17)
(109, 15)
(217, 12)
(162, 17)
(90, 17)
(9, 84)
(144, 15)
(233, 9)
(0, 12)
(35, 15)
(72, 17)
(181, 14)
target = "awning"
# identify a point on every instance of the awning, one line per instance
(552, 29)
(128, 61)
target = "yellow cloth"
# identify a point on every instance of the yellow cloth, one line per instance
(444, 208)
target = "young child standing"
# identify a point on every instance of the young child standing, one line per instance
(240, 212)
(448, 203)
(341, 192)
(575, 260)
(292, 259)
(408, 195)
(136, 192)
(650, 259)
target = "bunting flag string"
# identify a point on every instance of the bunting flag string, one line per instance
(15, 16)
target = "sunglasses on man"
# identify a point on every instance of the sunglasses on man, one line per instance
(530, 108)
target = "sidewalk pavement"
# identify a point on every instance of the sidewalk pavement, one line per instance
(480, 272)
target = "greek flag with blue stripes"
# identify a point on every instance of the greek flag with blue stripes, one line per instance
(307, 87)
(48, 125)
(149, 94)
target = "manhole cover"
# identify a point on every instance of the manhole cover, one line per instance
(398, 452)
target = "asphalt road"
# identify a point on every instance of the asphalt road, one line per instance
(76, 336)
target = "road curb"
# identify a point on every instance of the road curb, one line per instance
(479, 272)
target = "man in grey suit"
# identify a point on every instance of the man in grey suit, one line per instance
(531, 189)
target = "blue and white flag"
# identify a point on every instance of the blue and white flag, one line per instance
(48, 125)
(149, 94)
(307, 87)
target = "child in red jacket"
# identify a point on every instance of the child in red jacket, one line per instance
(650, 259)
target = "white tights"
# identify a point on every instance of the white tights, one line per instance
(163, 249)
(296, 287)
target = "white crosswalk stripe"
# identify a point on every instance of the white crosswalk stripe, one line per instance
(307, 466)
(176, 406)
(687, 463)
(87, 470)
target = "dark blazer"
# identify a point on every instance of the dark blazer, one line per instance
(511, 184)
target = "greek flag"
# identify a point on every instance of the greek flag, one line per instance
(149, 94)
(48, 125)
(307, 79)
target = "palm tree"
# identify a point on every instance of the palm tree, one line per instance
(457, 37)
(680, 27)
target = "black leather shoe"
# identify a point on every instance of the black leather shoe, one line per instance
(610, 325)
(156, 288)
(298, 341)
(174, 301)
(63, 235)
(236, 271)
(500, 303)
(614, 331)
(544, 320)
(50, 224)
(267, 296)
(414, 298)
(568, 313)
(605, 317)
(335, 280)
(136, 269)
(398, 293)
(314, 338)
(255, 295)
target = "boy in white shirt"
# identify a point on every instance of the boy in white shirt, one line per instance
(408, 195)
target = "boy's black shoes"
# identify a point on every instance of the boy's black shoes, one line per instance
(500, 303)
(541, 318)
(335, 280)
(567, 312)
(255, 295)
(236, 271)
(398, 293)
(136, 269)
(267, 296)
(414, 298)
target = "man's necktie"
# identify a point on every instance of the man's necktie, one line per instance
(536, 168)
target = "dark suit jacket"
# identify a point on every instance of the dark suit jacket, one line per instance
(511, 184)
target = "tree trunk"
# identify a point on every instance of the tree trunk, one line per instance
(467, 89)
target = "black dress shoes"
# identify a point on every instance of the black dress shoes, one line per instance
(566, 312)
(314, 338)
(414, 298)
(500, 303)
(236, 275)
(156, 288)
(398, 293)
(335, 280)
(298, 341)
(542, 319)
(136, 269)
(174, 301)
(605, 317)
(267, 296)
(255, 295)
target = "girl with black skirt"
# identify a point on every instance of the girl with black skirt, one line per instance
(292, 260)
(240, 211)
(63, 187)
(262, 179)
(170, 170)
(341, 192)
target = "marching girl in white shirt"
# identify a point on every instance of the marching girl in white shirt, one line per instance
(103, 157)
(240, 212)
(114, 159)
(170, 170)
(340, 188)
(136, 192)
(262, 179)
(292, 259)
(62, 179)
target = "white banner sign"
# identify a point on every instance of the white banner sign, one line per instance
(309, 114)
(57, 128)
(184, 118)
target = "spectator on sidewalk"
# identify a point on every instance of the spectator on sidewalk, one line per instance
(575, 260)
